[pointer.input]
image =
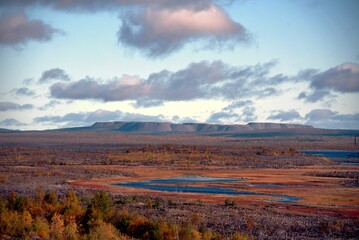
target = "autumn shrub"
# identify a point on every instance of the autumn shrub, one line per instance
(41, 228)
(167, 231)
(239, 236)
(57, 227)
(103, 230)
(71, 231)
(15, 224)
(187, 232)
(209, 235)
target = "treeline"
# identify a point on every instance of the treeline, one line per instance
(45, 216)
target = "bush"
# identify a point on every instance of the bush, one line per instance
(103, 231)
(41, 228)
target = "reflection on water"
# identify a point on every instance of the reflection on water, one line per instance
(185, 184)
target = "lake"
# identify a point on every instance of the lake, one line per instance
(185, 184)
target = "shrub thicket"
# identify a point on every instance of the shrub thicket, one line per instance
(46, 217)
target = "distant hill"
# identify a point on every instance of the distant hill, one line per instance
(4, 130)
(167, 127)
(252, 129)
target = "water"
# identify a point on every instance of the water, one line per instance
(352, 155)
(334, 154)
(171, 185)
(349, 163)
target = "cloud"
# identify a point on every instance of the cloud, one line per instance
(324, 85)
(9, 106)
(108, 5)
(245, 110)
(343, 78)
(237, 111)
(326, 118)
(319, 114)
(285, 116)
(248, 114)
(161, 31)
(28, 81)
(178, 119)
(51, 104)
(156, 27)
(17, 29)
(89, 118)
(222, 117)
(54, 74)
(200, 80)
(317, 95)
(11, 122)
(22, 92)
(89, 88)
(147, 103)
(237, 104)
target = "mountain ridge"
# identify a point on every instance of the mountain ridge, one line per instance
(161, 127)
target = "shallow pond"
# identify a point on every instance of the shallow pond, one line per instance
(185, 184)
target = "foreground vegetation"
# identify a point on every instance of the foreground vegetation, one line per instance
(47, 217)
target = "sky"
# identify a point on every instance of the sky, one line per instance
(68, 63)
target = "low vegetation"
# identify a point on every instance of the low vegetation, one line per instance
(46, 217)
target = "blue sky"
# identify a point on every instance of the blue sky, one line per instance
(72, 63)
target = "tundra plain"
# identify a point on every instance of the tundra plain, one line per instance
(270, 162)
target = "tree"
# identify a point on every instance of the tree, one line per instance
(57, 227)
(72, 208)
(103, 202)
(70, 231)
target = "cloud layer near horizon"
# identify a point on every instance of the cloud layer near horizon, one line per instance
(211, 80)
(317, 117)
(89, 118)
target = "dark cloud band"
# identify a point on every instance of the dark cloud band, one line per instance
(10, 106)
(197, 81)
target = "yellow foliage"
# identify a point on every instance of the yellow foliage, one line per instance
(72, 208)
(57, 227)
(41, 228)
(103, 231)
(71, 232)
(239, 236)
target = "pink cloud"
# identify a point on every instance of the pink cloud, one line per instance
(160, 31)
